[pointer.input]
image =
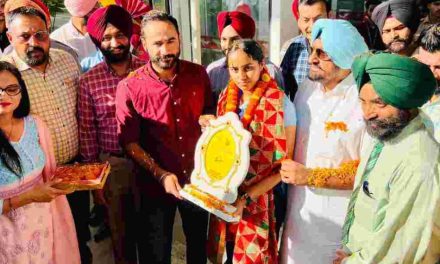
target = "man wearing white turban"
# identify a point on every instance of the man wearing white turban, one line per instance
(74, 32)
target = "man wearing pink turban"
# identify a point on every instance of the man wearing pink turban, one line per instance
(74, 32)
(233, 25)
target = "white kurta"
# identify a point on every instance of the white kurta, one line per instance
(69, 35)
(313, 227)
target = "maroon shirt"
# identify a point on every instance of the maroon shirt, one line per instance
(163, 117)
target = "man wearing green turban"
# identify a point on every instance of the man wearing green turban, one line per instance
(391, 211)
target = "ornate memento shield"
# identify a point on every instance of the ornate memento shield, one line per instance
(221, 165)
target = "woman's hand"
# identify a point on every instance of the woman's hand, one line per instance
(294, 173)
(240, 204)
(45, 192)
(204, 121)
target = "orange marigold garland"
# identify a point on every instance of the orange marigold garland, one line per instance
(319, 176)
(333, 126)
(232, 97)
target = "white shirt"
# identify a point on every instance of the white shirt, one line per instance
(69, 35)
(315, 216)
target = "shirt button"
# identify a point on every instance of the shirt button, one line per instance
(183, 155)
(184, 171)
(175, 103)
(180, 138)
(177, 120)
(171, 86)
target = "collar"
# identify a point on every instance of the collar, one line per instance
(413, 126)
(341, 88)
(71, 29)
(150, 71)
(112, 72)
(22, 66)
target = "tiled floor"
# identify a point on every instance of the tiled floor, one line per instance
(102, 251)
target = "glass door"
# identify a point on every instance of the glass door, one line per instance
(258, 9)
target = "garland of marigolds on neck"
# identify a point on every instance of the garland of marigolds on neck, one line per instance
(232, 97)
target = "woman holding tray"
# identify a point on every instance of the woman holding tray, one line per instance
(270, 117)
(36, 225)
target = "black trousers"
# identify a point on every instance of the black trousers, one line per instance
(80, 206)
(155, 230)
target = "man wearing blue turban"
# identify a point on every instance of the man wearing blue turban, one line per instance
(329, 133)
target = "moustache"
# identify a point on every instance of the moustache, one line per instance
(169, 56)
(120, 47)
(33, 49)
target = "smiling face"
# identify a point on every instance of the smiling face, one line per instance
(244, 70)
(161, 41)
(308, 15)
(115, 46)
(383, 121)
(8, 103)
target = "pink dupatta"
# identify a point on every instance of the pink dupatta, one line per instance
(65, 248)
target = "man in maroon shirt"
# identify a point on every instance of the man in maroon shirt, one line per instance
(110, 28)
(157, 109)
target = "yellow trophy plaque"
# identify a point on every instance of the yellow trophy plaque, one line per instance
(221, 165)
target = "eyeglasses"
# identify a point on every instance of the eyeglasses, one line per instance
(320, 54)
(41, 35)
(11, 90)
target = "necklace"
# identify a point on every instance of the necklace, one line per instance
(232, 97)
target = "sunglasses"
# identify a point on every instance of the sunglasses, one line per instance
(322, 55)
(11, 90)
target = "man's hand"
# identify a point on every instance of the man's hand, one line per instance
(293, 172)
(172, 186)
(204, 121)
(340, 256)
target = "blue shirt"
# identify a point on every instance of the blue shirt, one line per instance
(295, 66)
(90, 62)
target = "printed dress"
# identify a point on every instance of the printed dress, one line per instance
(37, 232)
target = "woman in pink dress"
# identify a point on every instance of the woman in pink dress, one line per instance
(36, 225)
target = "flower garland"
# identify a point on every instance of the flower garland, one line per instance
(333, 126)
(232, 97)
(319, 176)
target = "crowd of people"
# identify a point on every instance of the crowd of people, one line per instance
(344, 154)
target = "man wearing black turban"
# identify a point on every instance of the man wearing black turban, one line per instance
(397, 21)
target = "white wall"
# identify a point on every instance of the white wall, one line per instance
(283, 27)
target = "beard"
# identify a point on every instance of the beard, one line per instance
(388, 128)
(318, 75)
(112, 57)
(166, 62)
(35, 56)
(398, 45)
